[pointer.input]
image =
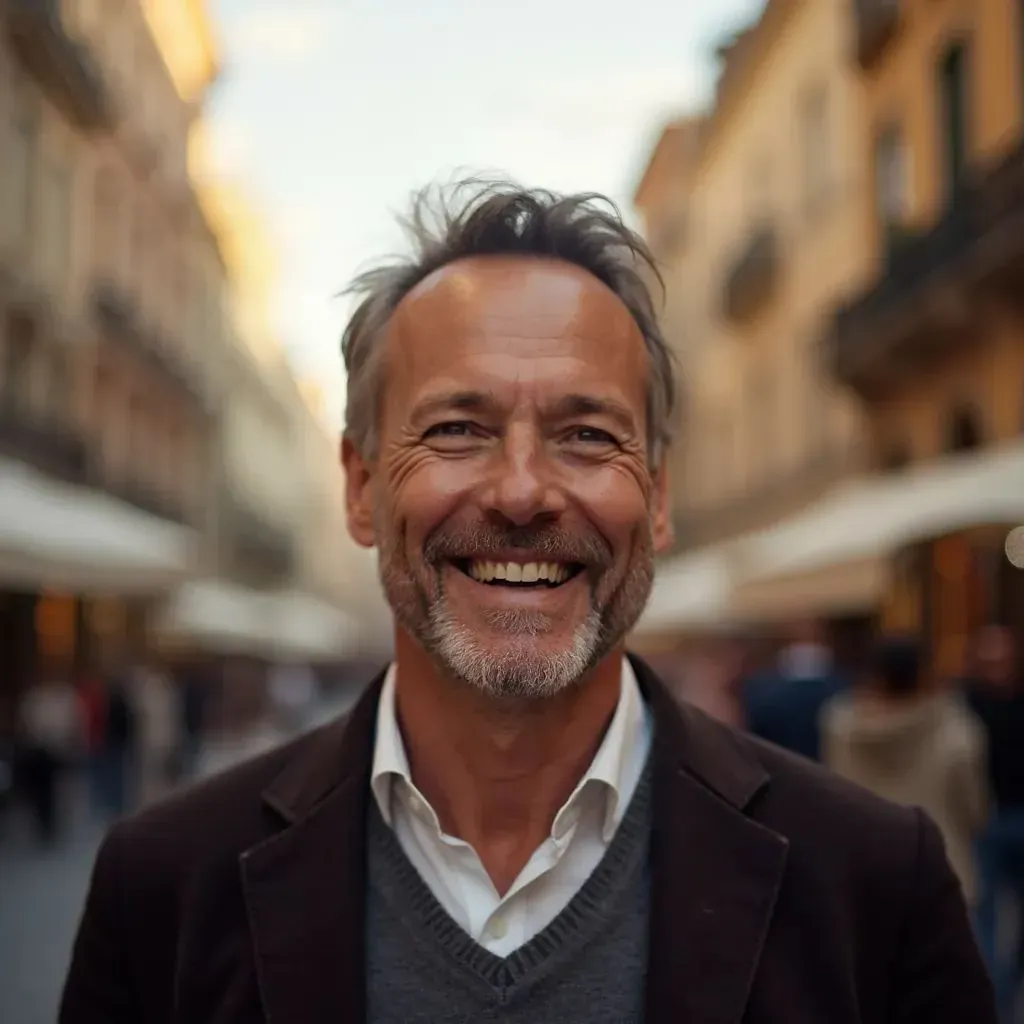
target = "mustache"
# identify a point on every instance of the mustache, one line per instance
(546, 543)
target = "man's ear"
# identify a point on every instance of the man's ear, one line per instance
(662, 531)
(358, 494)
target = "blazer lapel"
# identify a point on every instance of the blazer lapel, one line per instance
(305, 886)
(716, 872)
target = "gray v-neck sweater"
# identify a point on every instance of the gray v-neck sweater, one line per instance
(588, 966)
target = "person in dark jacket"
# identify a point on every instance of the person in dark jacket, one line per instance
(119, 749)
(517, 822)
(783, 705)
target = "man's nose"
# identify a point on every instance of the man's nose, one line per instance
(522, 486)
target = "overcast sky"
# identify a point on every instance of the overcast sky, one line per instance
(334, 111)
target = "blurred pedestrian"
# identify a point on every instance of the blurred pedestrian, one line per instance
(783, 704)
(293, 691)
(914, 746)
(52, 735)
(995, 691)
(157, 702)
(120, 742)
(193, 693)
(92, 697)
(712, 680)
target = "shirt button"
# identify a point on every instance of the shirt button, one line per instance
(498, 928)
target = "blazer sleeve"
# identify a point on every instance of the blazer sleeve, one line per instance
(940, 976)
(99, 986)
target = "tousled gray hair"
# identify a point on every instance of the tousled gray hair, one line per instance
(477, 218)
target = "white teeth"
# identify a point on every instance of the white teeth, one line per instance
(516, 572)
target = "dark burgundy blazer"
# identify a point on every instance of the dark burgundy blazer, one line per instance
(781, 894)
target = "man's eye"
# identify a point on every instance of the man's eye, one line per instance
(453, 429)
(592, 435)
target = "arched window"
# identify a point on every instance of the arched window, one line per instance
(964, 430)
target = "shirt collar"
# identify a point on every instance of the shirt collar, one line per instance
(610, 770)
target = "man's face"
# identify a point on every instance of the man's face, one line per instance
(511, 500)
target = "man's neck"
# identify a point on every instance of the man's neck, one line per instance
(497, 773)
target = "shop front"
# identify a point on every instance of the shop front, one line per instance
(921, 551)
(79, 574)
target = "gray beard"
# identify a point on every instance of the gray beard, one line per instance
(517, 670)
(510, 664)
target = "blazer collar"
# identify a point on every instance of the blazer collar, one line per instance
(716, 872)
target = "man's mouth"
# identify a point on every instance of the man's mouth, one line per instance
(518, 574)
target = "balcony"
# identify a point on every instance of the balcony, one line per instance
(147, 499)
(753, 277)
(116, 314)
(41, 441)
(64, 67)
(936, 283)
(877, 22)
(258, 548)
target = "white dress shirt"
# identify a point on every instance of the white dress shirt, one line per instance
(580, 834)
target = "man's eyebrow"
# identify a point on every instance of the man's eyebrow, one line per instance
(577, 404)
(454, 401)
(592, 405)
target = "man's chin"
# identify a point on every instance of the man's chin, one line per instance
(525, 663)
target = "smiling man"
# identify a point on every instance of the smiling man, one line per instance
(517, 822)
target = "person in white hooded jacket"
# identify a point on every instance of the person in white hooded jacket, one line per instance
(914, 746)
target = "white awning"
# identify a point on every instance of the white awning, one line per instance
(73, 538)
(219, 616)
(867, 521)
(305, 628)
(690, 591)
(228, 618)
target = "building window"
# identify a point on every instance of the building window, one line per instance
(107, 220)
(141, 266)
(761, 453)
(59, 386)
(953, 116)
(815, 152)
(18, 362)
(963, 431)
(56, 224)
(16, 175)
(891, 179)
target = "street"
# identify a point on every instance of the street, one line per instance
(41, 894)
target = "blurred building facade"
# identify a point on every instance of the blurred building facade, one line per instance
(844, 280)
(757, 212)
(934, 346)
(152, 436)
(272, 586)
(106, 418)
